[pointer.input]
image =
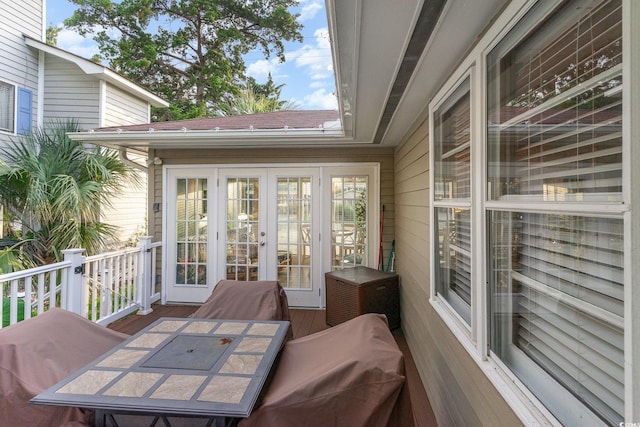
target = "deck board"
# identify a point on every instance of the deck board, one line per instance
(303, 322)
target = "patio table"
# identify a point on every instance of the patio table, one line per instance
(209, 368)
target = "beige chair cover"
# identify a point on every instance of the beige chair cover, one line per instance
(237, 300)
(37, 353)
(350, 375)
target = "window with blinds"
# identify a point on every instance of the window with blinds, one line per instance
(7, 104)
(452, 200)
(555, 117)
(555, 140)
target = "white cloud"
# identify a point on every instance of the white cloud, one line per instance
(75, 43)
(309, 10)
(321, 100)
(260, 69)
(315, 59)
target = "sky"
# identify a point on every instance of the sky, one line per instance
(307, 73)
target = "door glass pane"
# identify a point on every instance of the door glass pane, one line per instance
(191, 231)
(349, 221)
(294, 232)
(242, 228)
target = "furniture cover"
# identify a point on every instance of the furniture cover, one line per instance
(239, 300)
(37, 353)
(350, 375)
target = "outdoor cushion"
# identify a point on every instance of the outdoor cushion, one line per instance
(238, 300)
(350, 375)
(36, 354)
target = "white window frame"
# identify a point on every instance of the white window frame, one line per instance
(474, 337)
(12, 130)
(455, 321)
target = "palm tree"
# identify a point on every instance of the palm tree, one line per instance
(56, 186)
(256, 98)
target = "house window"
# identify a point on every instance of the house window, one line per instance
(555, 219)
(452, 200)
(7, 105)
(10, 112)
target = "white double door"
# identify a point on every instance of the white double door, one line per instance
(242, 224)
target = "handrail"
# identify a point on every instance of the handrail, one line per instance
(102, 287)
(33, 271)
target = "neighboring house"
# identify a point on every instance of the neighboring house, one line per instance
(502, 139)
(41, 85)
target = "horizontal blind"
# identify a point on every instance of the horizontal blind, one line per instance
(570, 305)
(452, 176)
(555, 135)
(561, 112)
(452, 146)
(6, 106)
(454, 257)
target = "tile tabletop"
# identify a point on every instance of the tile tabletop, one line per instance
(178, 366)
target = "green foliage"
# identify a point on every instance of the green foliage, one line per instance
(253, 100)
(52, 34)
(6, 313)
(57, 186)
(189, 52)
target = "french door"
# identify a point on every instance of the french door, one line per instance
(243, 224)
(189, 235)
(248, 223)
(270, 226)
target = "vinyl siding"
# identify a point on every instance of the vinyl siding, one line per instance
(70, 94)
(18, 63)
(129, 210)
(459, 392)
(122, 108)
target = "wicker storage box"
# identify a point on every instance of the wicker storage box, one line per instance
(355, 291)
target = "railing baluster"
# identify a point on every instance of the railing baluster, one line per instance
(53, 286)
(13, 306)
(40, 297)
(109, 286)
(94, 286)
(28, 289)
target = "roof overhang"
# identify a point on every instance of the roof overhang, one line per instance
(98, 71)
(390, 58)
(192, 139)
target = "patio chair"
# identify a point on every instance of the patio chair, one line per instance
(349, 375)
(253, 300)
(36, 354)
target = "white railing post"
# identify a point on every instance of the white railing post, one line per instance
(74, 296)
(145, 274)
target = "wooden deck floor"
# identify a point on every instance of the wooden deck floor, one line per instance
(303, 322)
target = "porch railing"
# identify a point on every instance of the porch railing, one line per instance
(102, 288)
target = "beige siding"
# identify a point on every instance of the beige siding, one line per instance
(70, 94)
(122, 108)
(129, 211)
(264, 156)
(459, 392)
(18, 63)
